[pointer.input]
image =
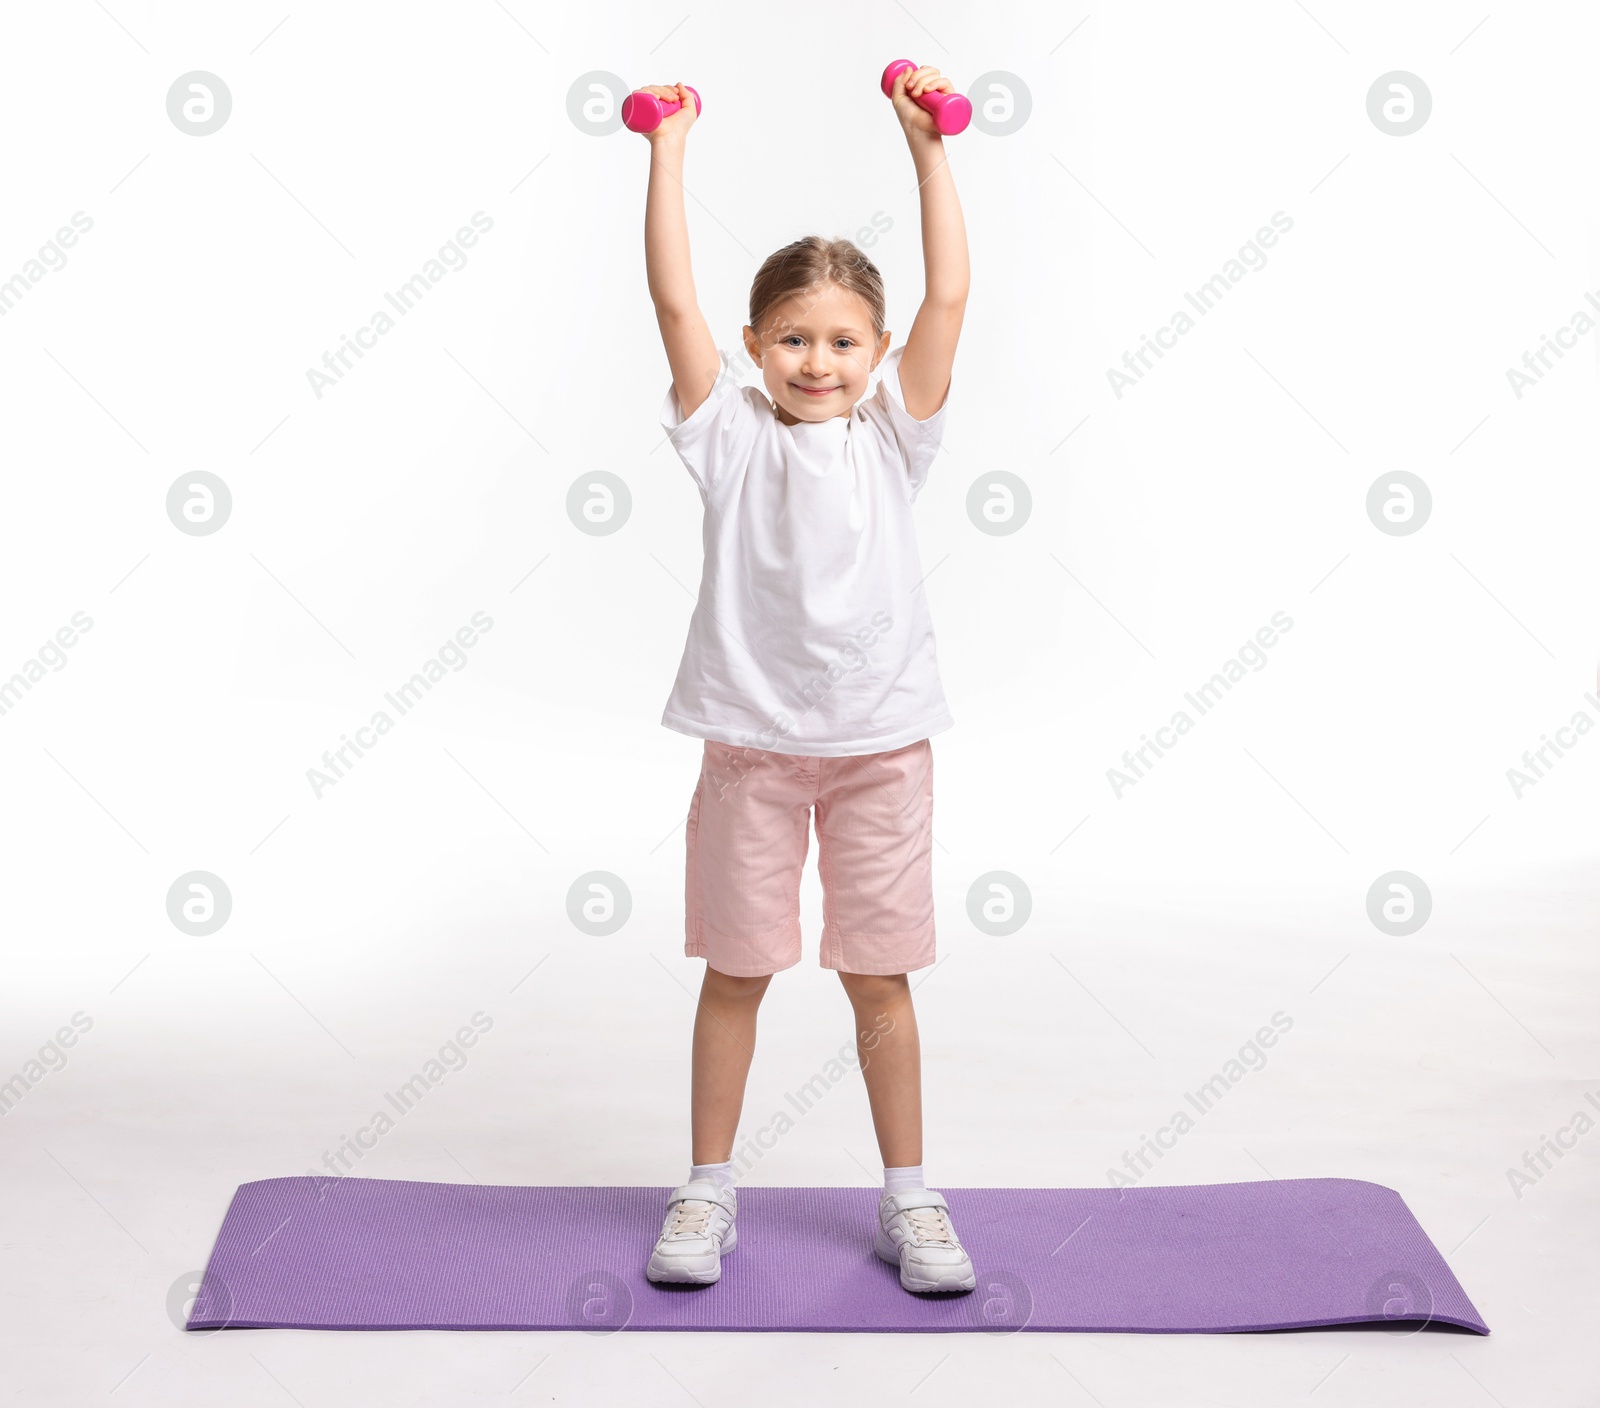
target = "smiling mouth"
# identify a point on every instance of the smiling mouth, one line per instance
(813, 390)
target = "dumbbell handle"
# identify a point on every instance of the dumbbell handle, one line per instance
(642, 112)
(951, 112)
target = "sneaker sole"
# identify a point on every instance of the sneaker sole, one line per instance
(946, 1281)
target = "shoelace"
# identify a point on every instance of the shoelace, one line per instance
(931, 1225)
(690, 1216)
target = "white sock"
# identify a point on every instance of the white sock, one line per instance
(897, 1180)
(720, 1174)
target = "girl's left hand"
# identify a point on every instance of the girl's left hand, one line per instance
(913, 117)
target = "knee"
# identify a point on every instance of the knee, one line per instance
(733, 989)
(875, 990)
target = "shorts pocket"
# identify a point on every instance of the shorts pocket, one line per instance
(691, 825)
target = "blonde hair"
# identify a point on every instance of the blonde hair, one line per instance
(809, 263)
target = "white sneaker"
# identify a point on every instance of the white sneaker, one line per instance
(915, 1234)
(697, 1230)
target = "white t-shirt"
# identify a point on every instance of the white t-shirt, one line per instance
(811, 634)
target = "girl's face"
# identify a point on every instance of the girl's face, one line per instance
(815, 350)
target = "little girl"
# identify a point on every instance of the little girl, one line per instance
(810, 672)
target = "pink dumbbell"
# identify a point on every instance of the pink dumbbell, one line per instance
(642, 112)
(951, 112)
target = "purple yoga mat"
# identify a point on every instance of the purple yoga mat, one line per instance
(387, 1254)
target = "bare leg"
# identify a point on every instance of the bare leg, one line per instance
(724, 1042)
(891, 1061)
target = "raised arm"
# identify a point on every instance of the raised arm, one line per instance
(931, 344)
(691, 352)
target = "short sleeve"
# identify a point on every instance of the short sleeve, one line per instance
(715, 443)
(915, 441)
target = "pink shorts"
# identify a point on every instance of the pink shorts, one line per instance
(748, 830)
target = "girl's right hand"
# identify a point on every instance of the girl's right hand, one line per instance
(678, 124)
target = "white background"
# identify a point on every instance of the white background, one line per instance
(431, 483)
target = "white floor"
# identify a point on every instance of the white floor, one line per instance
(1429, 1064)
